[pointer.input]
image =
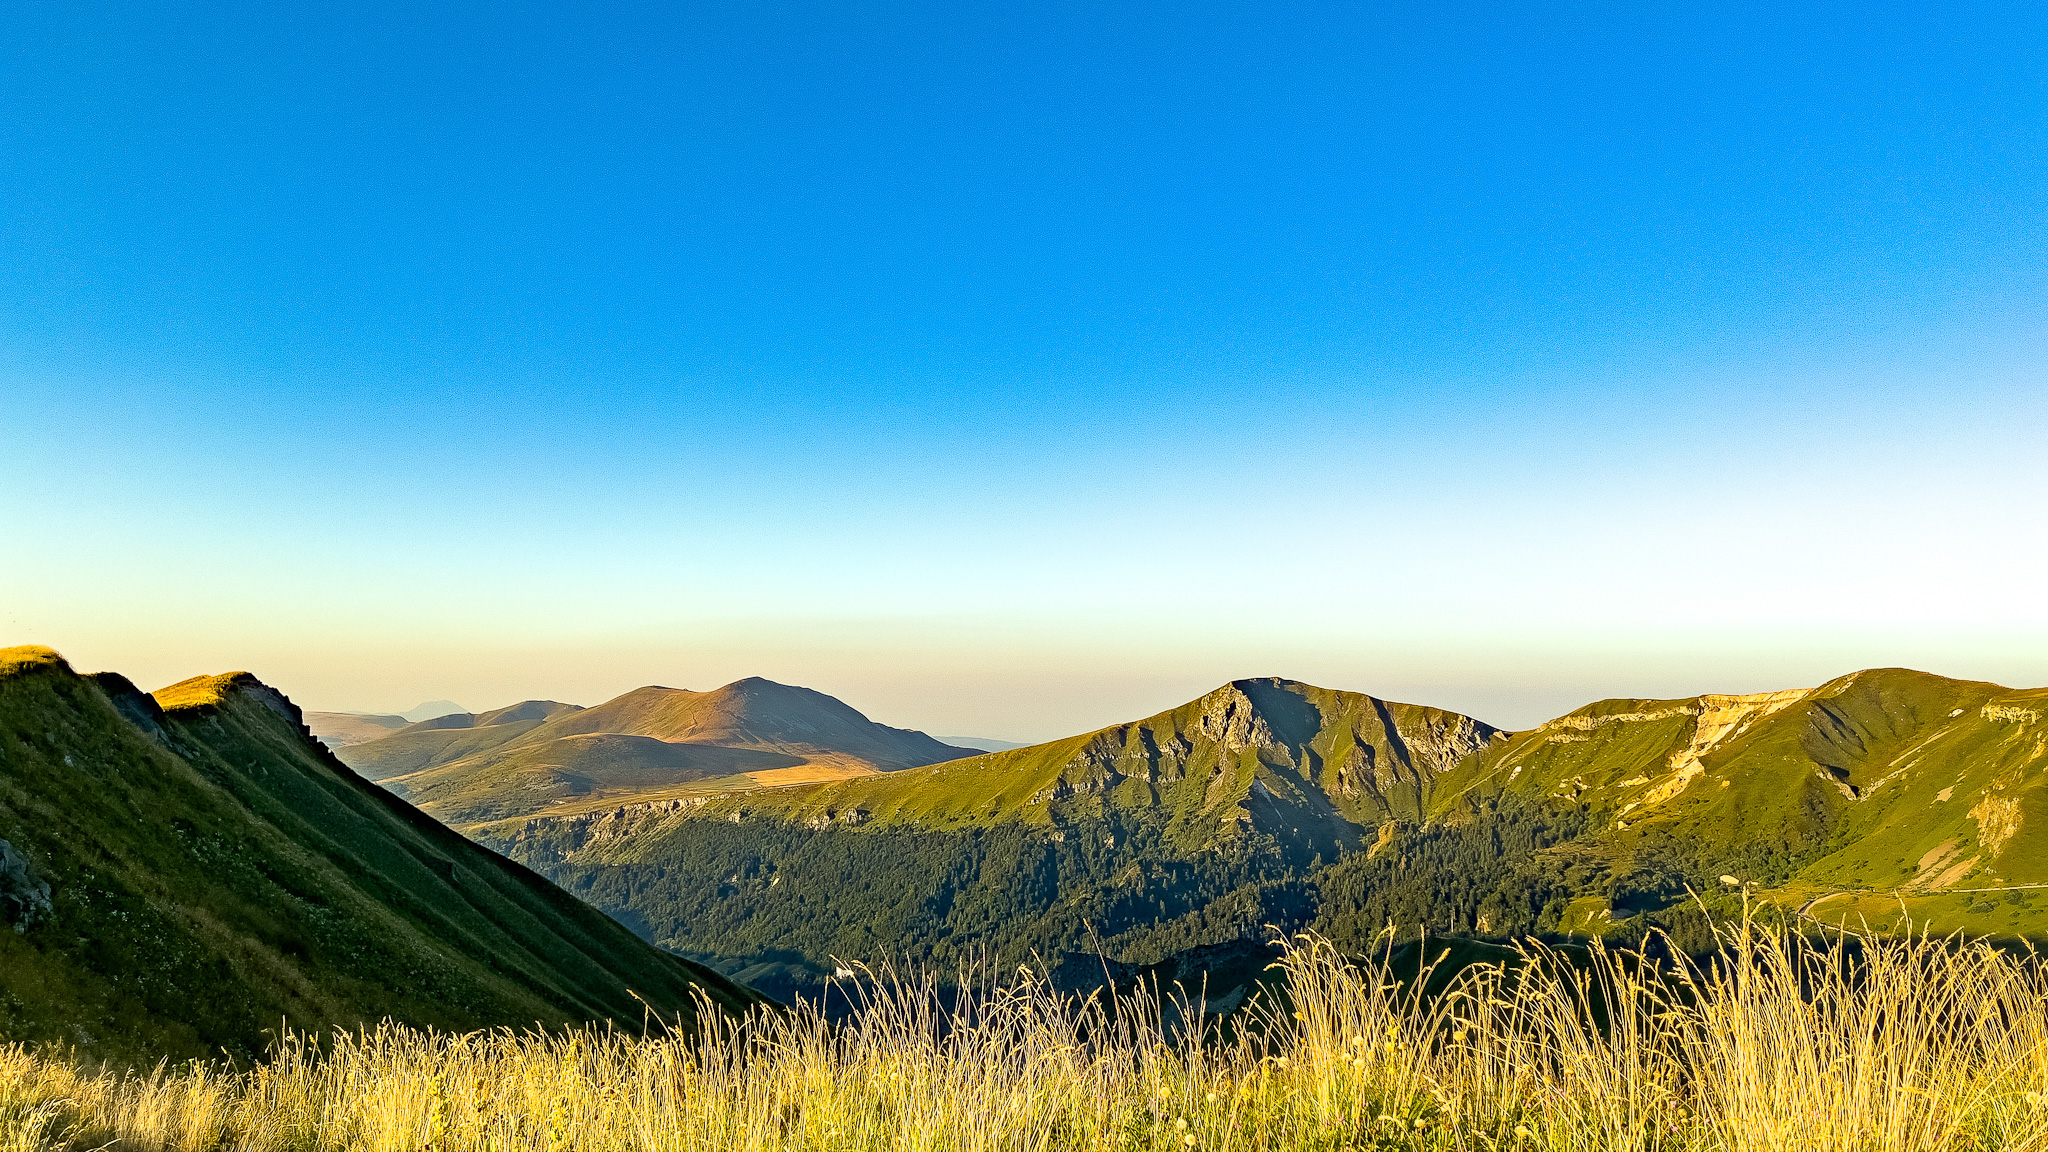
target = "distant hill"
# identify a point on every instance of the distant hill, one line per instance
(340, 729)
(1188, 828)
(652, 743)
(431, 709)
(444, 739)
(186, 871)
(982, 743)
(1270, 804)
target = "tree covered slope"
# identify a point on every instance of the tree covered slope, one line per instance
(185, 873)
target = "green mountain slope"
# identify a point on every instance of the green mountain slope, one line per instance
(185, 872)
(650, 744)
(1183, 829)
(1877, 789)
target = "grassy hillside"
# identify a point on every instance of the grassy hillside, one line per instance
(187, 872)
(651, 744)
(1878, 789)
(1192, 827)
(431, 743)
(763, 716)
(601, 767)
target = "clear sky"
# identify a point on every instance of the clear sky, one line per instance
(1010, 370)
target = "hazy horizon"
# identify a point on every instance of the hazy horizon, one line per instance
(1022, 371)
(1057, 703)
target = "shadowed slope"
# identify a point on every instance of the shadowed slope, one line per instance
(212, 871)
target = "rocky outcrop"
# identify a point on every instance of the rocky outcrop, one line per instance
(1721, 717)
(1229, 718)
(1998, 819)
(1580, 723)
(24, 896)
(1401, 754)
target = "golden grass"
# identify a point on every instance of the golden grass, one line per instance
(27, 658)
(198, 691)
(1870, 1046)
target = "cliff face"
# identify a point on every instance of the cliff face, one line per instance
(184, 871)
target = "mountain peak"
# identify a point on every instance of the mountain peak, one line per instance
(204, 691)
(537, 754)
(759, 690)
(431, 709)
(526, 710)
(1246, 683)
(1268, 711)
(29, 658)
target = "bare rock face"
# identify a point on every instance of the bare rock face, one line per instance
(24, 896)
(1231, 719)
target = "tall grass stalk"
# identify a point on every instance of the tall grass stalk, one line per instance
(1864, 1044)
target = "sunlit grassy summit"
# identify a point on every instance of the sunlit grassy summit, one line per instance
(1878, 789)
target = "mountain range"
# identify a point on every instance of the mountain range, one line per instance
(652, 743)
(185, 871)
(1184, 829)
(1273, 804)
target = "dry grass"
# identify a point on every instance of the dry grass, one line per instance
(27, 658)
(1869, 1045)
(198, 691)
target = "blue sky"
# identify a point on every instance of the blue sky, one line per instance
(1014, 370)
